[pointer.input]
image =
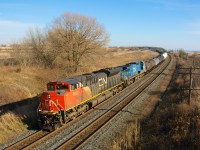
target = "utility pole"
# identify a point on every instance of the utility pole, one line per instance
(190, 88)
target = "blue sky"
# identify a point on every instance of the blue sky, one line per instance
(171, 24)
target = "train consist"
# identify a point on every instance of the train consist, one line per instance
(65, 99)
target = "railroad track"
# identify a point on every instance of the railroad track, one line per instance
(28, 140)
(89, 130)
(78, 138)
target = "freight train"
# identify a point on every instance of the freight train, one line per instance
(67, 98)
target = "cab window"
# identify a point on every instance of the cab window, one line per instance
(61, 87)
(50, 87)
(74, 86)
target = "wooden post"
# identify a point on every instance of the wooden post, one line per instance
(189, 98)
(194, 61)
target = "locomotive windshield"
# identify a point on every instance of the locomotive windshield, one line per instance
(53, 87)
(50, 87)
(61, 87)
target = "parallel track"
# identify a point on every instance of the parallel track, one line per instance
(28, 140)
(40, 136)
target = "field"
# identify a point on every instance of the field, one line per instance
(20, 86)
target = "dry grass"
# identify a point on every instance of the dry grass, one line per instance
(125, 140)
(114, 57)
(5, 47)
(17, 83)
(10, 124)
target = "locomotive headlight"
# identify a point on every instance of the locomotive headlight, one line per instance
(49, 96)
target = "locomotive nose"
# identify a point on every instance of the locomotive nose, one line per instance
(46, 101)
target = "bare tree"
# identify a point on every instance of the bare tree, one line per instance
(74, 36)
(30, 50)
(21, 53)
(36, 42)
(69, 39)
(33, 49)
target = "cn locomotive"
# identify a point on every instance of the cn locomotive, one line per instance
(67, 98)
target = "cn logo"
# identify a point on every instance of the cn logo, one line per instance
(102, 81)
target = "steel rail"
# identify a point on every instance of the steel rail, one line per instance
(27, 141)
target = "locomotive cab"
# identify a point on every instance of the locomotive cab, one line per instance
(52, 104)
(53, 99)
(59, 100)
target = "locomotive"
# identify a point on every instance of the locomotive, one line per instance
(67, 98)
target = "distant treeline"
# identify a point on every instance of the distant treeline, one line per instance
(155, 49)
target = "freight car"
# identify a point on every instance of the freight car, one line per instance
(65, 99)
(150, 64)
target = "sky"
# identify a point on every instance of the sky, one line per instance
(171, 24)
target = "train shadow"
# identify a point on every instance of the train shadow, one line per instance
(26, 109)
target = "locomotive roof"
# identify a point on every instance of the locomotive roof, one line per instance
(69, 80)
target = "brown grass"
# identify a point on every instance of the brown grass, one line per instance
(125, 140)
(10, 124)
(17, 83)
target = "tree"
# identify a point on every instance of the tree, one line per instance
(74, 36)
(69, 39)
(182, 53)
(32, 49)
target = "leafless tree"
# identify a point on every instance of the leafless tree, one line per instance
(74, 36)
(33, 49)
(69, 39)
